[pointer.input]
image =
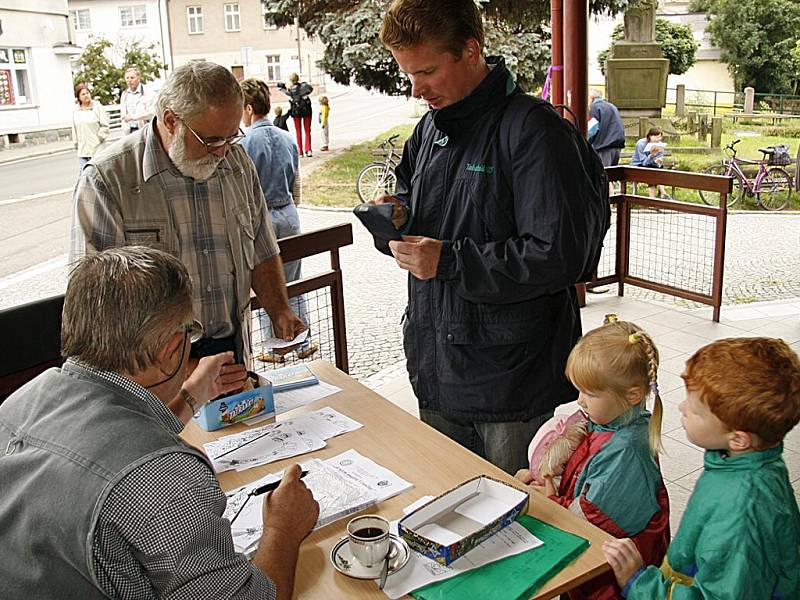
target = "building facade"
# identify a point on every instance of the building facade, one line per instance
(236, 35)
(123, 22)
(36, 95)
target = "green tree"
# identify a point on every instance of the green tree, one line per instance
(353, 53)
(102, 67)
(677, 44)
(756, 38)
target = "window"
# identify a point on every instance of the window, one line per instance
(14, 82)
(133, 16)
(195, 16)
(274, 67)
(81, 21)
(232, 17)
(266, 19)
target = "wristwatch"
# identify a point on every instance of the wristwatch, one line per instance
(193, 404)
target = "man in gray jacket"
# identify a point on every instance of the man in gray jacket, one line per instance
(101, 497)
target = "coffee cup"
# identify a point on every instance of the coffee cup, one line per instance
(369, 539)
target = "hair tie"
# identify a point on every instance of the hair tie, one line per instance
(610, 318)
(634, 337)
(654, 388)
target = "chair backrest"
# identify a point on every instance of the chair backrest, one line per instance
(32, 342)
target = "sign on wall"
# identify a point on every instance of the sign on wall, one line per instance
(6, 91)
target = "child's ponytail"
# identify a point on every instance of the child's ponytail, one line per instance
(654, 431)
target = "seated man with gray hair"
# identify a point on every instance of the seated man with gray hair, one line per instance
(101, 497)
(183, 185)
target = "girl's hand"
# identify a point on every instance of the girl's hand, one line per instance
(624, 558)
(549, 486)
(525, 476)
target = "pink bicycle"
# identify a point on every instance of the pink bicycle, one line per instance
(772, 186)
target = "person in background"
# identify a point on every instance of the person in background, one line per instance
(89, 124)
(280, 119)
(612, 477)
(609, 133)
(300, 110)
(740, 534)
(324, 115)
(136, 102)
(652, 158)
(275, 156)
(101, 496)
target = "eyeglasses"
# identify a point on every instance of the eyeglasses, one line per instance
(194, 331)
(215, 143)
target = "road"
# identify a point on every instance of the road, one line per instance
(38, 175)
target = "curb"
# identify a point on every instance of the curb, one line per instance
(39, 154)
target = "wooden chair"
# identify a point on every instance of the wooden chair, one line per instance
(32, 342)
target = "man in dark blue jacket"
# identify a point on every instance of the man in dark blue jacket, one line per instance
(609, 134)
(497, 195)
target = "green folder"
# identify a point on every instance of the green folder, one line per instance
(515, 577)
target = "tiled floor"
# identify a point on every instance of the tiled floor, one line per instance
(678, 333)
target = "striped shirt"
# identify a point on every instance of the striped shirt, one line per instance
(197, 215)
(161, 534)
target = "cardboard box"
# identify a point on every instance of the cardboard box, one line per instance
(238, 407)
(449, 526)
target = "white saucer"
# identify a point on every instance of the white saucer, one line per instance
(344, 561)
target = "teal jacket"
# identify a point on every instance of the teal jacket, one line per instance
(739, 536)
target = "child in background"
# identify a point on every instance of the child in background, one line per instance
(652, 157)
(612, 478)
(740, 534)
(280, 119)
(324, 111)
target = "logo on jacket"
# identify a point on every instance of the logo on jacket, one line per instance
(479, 168)
(442, 141)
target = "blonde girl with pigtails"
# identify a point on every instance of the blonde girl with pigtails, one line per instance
(606, 454)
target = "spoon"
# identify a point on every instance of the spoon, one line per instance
(385, 570)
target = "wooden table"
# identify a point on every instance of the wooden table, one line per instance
(421, 455)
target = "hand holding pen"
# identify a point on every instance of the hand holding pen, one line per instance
(289, 476)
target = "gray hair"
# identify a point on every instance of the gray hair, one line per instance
(132, 70)
(595, 93)
(193, 87)
(122, 305)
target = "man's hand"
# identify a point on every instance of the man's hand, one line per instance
(399, 212)
(418, 255)
(214, 376)
(291, 509)
(624, 558)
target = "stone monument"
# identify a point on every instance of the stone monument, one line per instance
(636, 70)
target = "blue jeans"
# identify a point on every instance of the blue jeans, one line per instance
(503, 444)
(286, 222)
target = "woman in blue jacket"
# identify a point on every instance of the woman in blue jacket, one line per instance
(652, 157)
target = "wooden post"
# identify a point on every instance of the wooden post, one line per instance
(680, 100)
(716, 132)
(702, 127)
(644, 125)
(557, 51)
(691, 121)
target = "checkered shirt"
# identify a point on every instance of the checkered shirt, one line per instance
(198, 215)
(161, 534)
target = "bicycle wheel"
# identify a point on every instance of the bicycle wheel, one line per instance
(712, 198)
(374, 181)
(775, 190)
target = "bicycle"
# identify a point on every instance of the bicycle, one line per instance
(377, 178)
(772, 187)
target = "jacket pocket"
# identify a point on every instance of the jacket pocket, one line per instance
(153, 233)
(248, 237)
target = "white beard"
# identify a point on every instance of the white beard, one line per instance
(199, 169)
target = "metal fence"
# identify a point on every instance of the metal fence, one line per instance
(671, 247)
(323, 295)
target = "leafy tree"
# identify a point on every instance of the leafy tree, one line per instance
(102, 67)
(677, 44)
(756, 38)
(353, 53)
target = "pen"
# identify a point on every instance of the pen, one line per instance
(262, 489)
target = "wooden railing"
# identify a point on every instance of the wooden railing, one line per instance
(644, 223)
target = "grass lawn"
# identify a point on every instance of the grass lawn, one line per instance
(333, 183)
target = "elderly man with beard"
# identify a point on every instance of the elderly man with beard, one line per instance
(183, 185)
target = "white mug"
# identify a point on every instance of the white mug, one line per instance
(369, 539)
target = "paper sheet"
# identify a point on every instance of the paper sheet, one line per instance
(273, 343)
(421, 571)
(286, 401)
(277, 441)
(338, 491)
